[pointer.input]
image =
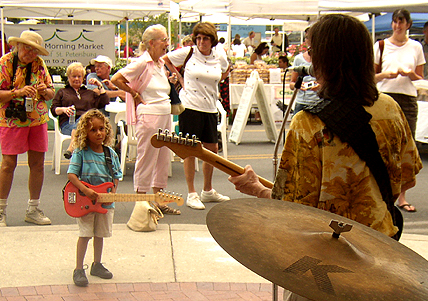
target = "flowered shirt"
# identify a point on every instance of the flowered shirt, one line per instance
(318, 170)
(40, 74)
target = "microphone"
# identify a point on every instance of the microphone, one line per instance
(303, 70)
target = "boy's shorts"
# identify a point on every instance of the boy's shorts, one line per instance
(15, 141)
(96, 224)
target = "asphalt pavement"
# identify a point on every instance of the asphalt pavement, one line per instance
(255, 149)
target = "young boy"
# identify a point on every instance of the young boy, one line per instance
(88, 164)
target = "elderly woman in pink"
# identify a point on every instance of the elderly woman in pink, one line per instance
(149, 108)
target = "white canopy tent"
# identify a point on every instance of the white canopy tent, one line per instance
(104, 10)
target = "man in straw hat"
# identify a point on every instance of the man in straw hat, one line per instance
(25, 85)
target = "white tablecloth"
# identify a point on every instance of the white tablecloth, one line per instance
(421, 134)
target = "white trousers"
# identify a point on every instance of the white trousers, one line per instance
(152, 164)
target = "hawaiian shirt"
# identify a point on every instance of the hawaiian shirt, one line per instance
(40, 74)
(319, 170)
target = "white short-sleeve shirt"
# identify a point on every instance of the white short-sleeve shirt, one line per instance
(406, 57)
(202, 76)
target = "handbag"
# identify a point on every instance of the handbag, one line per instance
(381, 46)
(177, 85)
(144, 217)
(176, 106)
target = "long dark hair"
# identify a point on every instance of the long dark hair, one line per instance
(343, 59)
(262, 46)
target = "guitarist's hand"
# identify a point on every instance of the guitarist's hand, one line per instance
(90, 193)
(249, 183)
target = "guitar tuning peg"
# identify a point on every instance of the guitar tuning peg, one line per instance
(186, 142)
(193, 140)
(166, 136)
(159, 134)
(173, 137)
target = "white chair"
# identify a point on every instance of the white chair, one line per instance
(57, 149)
(222, 127)
(128, 141)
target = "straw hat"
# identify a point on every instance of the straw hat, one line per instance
(30, 38)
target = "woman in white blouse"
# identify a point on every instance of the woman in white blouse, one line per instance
(149, 108)
(402, 62)
(202, 74)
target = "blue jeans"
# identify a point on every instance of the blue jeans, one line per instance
(66, 128)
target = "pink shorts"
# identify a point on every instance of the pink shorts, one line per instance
(16, 140)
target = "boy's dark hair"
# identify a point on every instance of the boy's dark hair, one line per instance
(284, 59)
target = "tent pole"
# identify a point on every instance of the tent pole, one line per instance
(169, 31)
(180, 32)
(127, 40)
(2, 33)
(373, 28)
(118, 42)
(229, 32)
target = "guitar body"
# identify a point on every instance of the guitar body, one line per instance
(77, 204)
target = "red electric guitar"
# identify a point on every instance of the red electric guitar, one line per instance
(190, 147)
(76, 204)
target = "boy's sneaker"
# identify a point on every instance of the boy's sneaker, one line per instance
(79, 277)
(194, 202)
(97, 269)
(2, 219)
(213, 196)
(37, 217)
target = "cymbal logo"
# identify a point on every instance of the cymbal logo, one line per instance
(319, 272)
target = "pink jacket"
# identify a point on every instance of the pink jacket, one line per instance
(138, 74)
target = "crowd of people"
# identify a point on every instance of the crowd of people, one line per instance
(316, 162)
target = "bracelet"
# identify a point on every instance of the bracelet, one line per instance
(13, 93)
(136, 95)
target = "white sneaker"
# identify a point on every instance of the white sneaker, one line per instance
(37, 217)
(194, 202)
(213, 196)
(2, 219)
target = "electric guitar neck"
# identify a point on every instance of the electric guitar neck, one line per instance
(190, 147)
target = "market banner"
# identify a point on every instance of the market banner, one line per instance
(70, 43)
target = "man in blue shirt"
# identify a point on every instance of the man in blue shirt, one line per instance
(103, 65)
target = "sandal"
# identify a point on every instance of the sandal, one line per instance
(168, 210)
(407, 208)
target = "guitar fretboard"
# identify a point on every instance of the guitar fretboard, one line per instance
(134, 197)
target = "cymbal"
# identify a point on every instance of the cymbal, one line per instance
(292, 245)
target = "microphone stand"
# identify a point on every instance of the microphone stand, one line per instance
(297, 86)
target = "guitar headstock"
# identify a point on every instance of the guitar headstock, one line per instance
(183, 146)
(163, 197)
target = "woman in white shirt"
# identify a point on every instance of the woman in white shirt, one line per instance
(204, 70)
(402, 62)
(238, 48)
(149, 108)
